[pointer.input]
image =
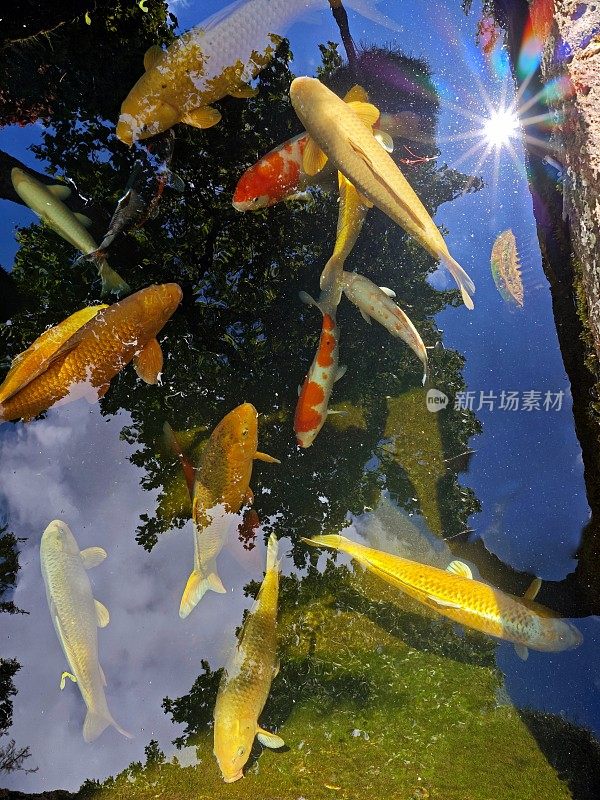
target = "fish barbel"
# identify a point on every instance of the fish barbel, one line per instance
(455, 594)
(91, 354)
(214, 59)
(376, 302)
(76, 616)
(47, 203)
(247, 677)
(342, 134)
(221, 488)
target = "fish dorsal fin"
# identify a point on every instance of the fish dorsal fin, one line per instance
(148, 363)
(52, 339)
(459, 568)
(64, 677)
(151, 56)
(102, 615)
(399, 199)
(102, 675)
(268, 739)
(356, 95)
(366, 112)
(532, 591)
(92, 556)
(83, 220)
(313, 159)
(59, 190)
(202, 117)
(522, 652)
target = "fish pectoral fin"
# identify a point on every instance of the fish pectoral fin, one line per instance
(148, 363)
(459, 568)
(258, 456)
(385, 140)
(314, 159)
(389, 292)
(366, 112)
(151, 56)
(63, 679)
(202, 117)
(276, 668)
(365, 316)
(443, 603)
(102, 615)
(92, 556)
(340, 372)
(336, 411)
(398, 197)
(242, 91)
(268, 739)
(533, 589)
(356, 95)
(60, 191)
(522, 652)
(85, 221)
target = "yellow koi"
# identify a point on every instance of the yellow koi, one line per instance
(455, 594)
(246, 680)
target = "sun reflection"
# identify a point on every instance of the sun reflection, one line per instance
(502, 126)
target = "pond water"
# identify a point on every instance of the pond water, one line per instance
(378, 693)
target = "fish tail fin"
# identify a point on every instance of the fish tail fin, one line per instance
(327, 540)
(112, 282)
(463, 281)
(96, 722)
(272, 550)
(366, 9)
(196, 588)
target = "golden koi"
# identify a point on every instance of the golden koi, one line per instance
(455, 594)
(47, 203)
(343, 135)
(246, 680)
(215, 59)
(76, 616)
(221, 487)
(89, 353)
(376, 302)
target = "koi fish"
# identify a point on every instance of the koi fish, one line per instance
(215, 59)
(376, 302)
(455, 594)
(246, 680)
(221, 487)
(76, 616)
(143, 192)
(47, 203)
(279, 175)
(314, 394)
(342, 134)
(89, 353)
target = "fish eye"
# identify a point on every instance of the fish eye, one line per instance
(245, 432)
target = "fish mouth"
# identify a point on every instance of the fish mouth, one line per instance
(124, 131)
(233, 778)
(250, 205)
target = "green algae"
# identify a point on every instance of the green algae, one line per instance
(376, 697)
(350, 416)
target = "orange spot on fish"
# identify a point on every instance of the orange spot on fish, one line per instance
(327, 342)
(307, 418)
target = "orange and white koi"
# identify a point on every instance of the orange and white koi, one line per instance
(314, 394)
